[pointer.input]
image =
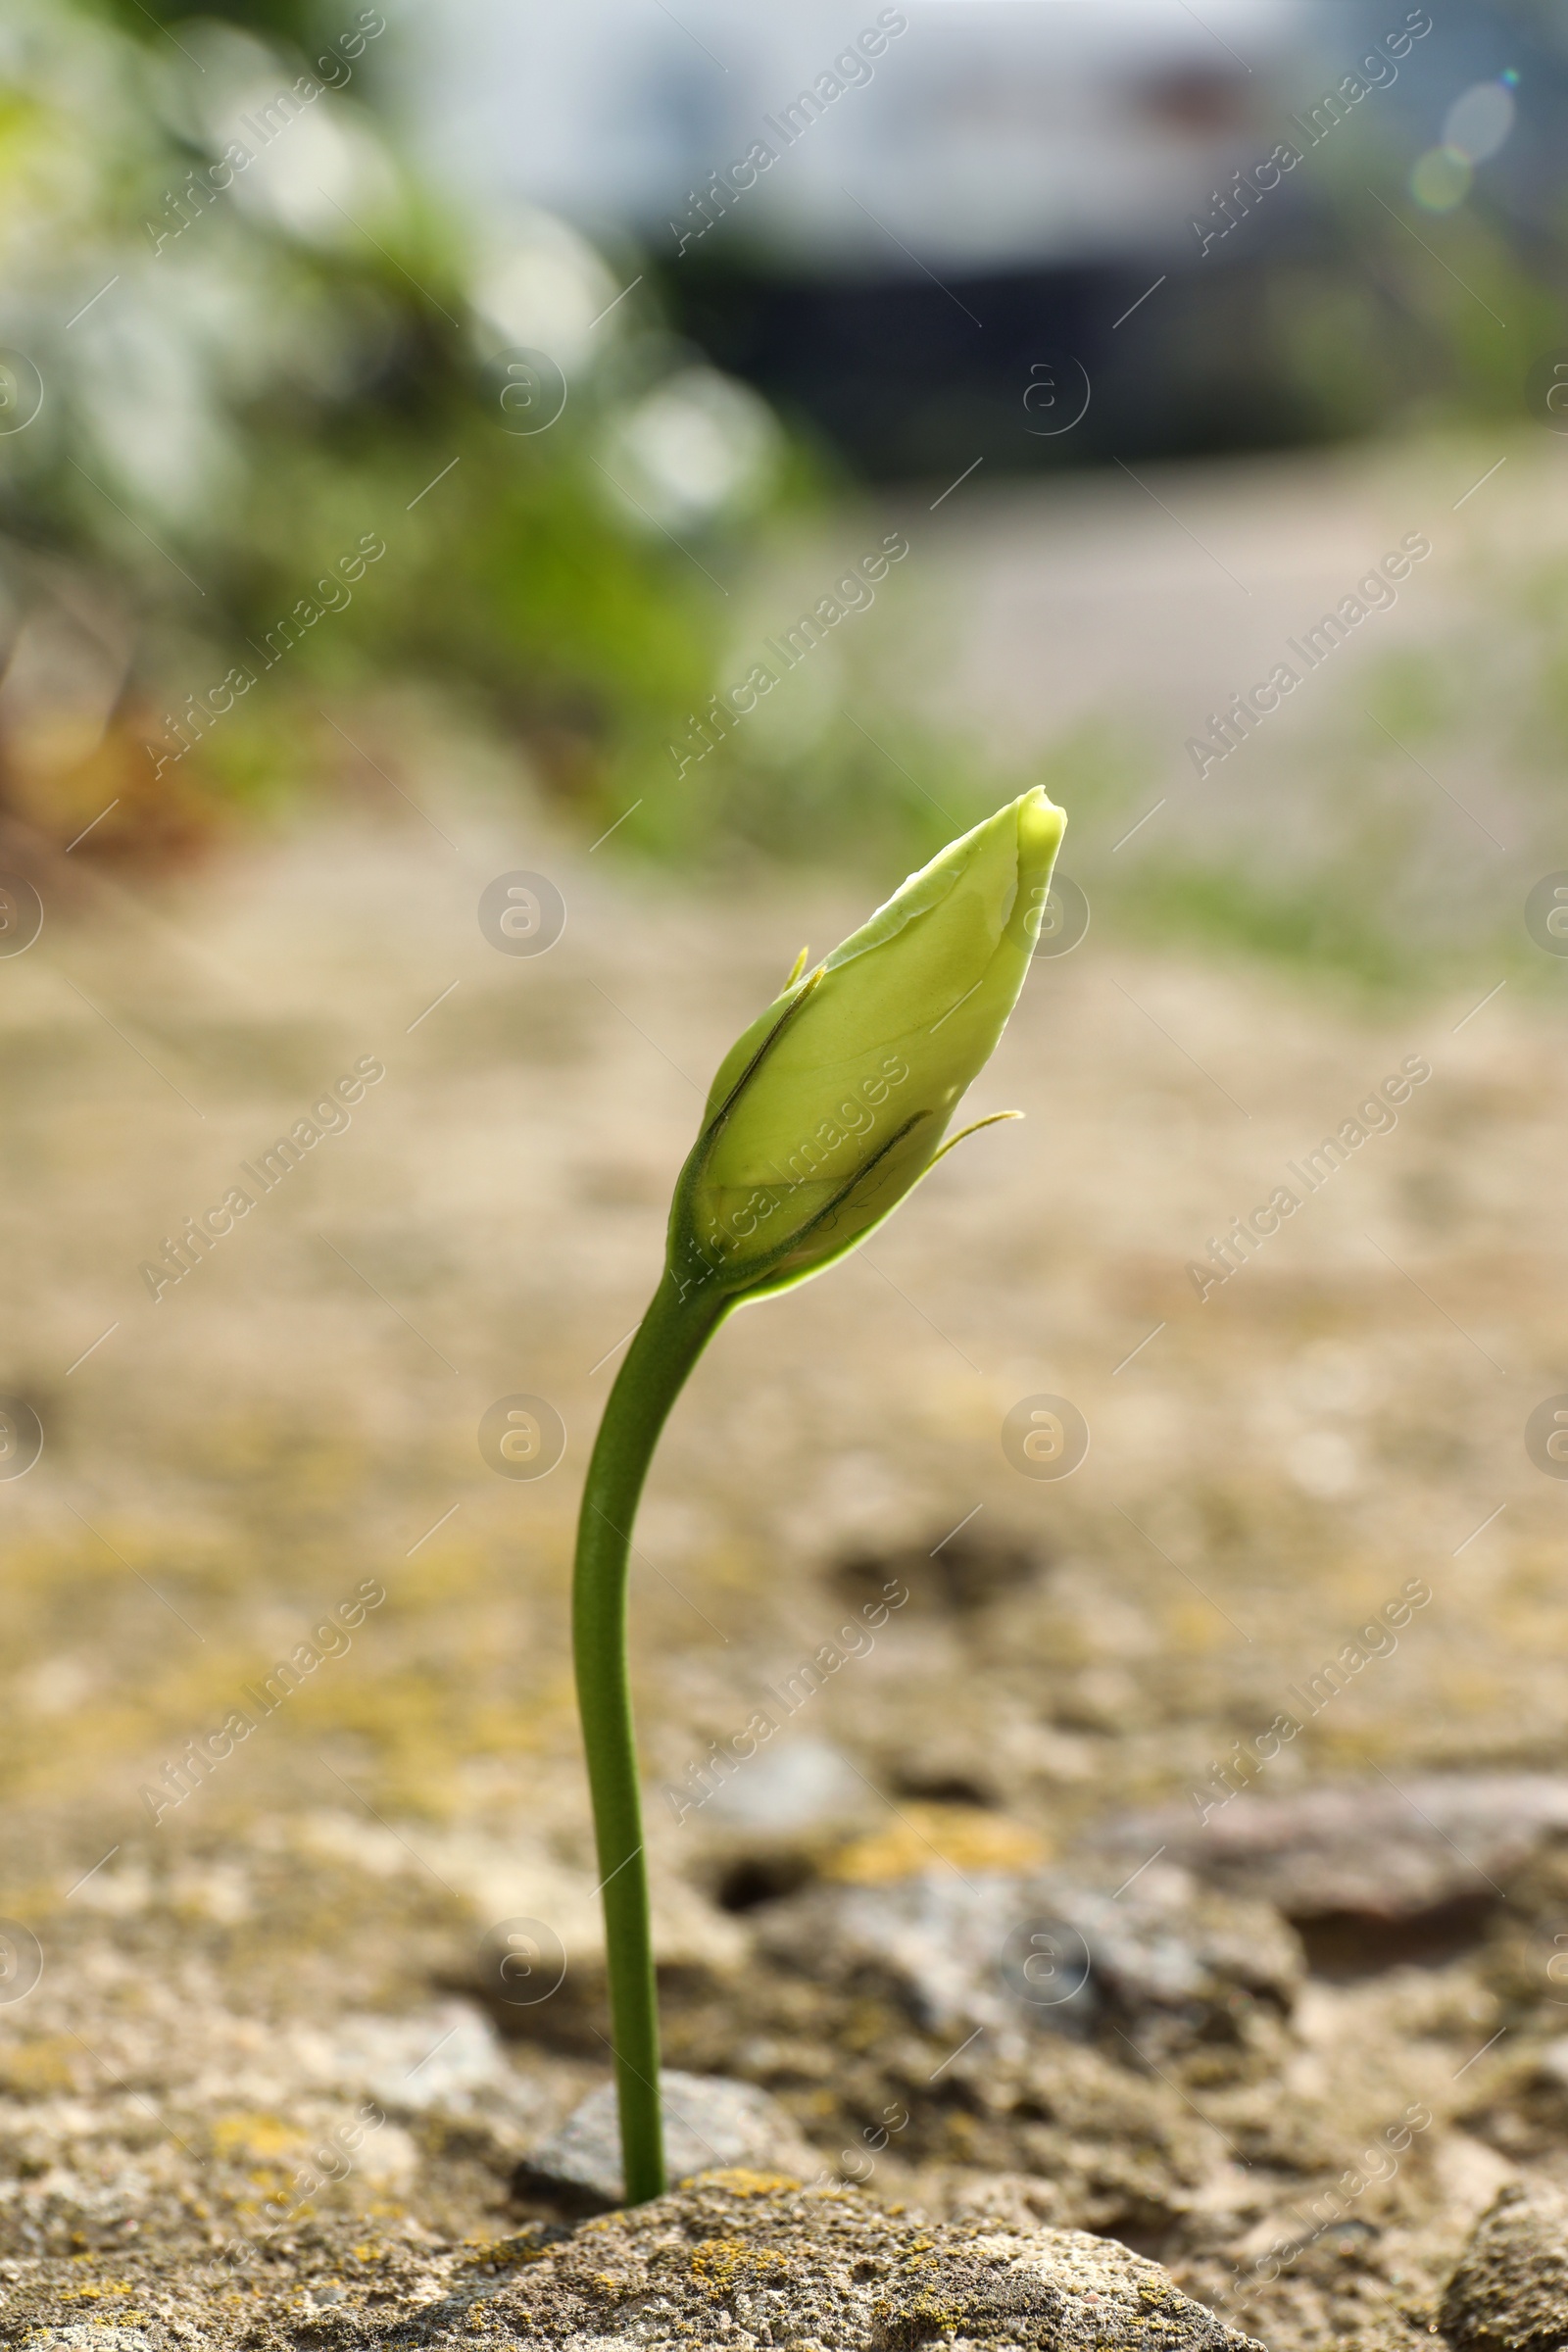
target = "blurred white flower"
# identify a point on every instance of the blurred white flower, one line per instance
(197, 93)
(700, 443)
(155, 420)
(318, 173)
(543, 286)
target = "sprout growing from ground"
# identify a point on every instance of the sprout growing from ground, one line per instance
(830, 1107)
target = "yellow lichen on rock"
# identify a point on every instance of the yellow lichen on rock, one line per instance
(924, 1834)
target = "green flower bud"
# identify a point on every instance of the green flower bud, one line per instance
(834, 1102)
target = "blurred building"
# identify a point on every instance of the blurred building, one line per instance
(932, 230)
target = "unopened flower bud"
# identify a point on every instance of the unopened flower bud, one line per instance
(834, 1102)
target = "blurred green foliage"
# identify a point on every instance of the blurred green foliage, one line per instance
(258, 341)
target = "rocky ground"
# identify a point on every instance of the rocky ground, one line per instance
(1176, 1851)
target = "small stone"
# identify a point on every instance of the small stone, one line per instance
(439, 2060)
(708, 2122)
(1509, 2290)
(1042, 1950)
(1351, 1848)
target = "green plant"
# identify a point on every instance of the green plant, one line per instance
(824, 1115)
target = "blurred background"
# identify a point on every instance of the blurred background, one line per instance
(486, 284)
(687, 463)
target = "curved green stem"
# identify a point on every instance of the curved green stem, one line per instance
(669, 1340)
